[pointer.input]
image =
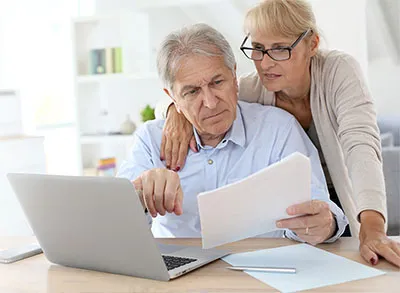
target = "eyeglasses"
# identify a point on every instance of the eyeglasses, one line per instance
(277, 54)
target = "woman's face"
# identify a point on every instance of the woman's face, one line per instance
(285, 75)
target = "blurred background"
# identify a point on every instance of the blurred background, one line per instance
(78, 77)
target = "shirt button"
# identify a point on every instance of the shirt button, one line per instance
(210, 162)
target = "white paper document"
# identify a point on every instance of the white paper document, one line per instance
(252, 206)
(315, 267)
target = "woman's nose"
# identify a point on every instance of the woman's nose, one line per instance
(267, 62)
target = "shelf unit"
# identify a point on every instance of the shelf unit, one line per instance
(95, 139)
(90, 78)
(104, 100)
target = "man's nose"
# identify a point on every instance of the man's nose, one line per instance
(210, 100)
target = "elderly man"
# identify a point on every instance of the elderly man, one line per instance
(235, 139)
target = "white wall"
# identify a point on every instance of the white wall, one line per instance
(9, 44)
(348, 30)
(383, 52)
(25, 51)
(343, 25)
(384, 80)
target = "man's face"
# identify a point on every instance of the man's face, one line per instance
(205, 91)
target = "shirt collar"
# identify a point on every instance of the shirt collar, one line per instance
(236, 133)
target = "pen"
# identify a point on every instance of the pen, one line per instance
(265, 269)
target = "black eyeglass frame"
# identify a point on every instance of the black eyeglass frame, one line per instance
(266, 51)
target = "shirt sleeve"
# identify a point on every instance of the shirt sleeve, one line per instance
(296, 140)
(140, 157)
(140, 160)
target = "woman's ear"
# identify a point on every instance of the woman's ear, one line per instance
(314, 45)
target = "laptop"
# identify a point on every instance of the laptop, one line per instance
(98, 223)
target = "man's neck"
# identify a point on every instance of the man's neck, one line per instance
(211, 140)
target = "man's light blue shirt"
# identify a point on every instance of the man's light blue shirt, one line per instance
(259, 137)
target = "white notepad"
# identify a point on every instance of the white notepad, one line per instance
(314, 267)
(252, 206)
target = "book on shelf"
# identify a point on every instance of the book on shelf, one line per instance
(106, 167)
(117, 60)
(109, 60)
(106, 60)
(97, 61)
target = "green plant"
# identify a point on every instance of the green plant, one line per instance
(147, 113)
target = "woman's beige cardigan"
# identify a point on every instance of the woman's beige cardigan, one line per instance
(345, 120)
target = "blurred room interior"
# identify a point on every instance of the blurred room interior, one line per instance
(77, 77)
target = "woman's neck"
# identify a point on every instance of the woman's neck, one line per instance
(297, 102)
(296, 95)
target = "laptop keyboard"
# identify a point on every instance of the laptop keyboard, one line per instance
(173, 262)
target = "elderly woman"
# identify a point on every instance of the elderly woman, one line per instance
(326, 92)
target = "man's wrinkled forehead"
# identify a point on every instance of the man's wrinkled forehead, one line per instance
(198, 71)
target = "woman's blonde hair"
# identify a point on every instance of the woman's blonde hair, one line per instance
(287, 18)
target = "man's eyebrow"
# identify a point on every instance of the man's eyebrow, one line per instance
(186, 88)
(189, 86)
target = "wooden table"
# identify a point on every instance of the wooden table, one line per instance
(36, 274)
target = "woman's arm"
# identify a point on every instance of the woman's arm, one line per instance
(358, 134)
(177, 137)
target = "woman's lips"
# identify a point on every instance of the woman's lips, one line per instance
(272, 76)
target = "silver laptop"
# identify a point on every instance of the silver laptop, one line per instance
(98, 223)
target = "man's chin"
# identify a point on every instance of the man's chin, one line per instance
(218, 129)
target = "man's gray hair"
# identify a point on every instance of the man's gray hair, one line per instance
(199, 39)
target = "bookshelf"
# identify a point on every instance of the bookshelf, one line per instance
(95, 139)
(91, 78)
(104, 99)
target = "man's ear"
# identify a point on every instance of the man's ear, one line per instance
(235, 79)
(167, 92)
(173, 99)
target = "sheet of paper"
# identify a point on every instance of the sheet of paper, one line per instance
(315, 267)
(252, 206)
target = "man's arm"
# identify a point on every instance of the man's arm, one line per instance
(296, 140)
(139, 161)
(159, 189)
